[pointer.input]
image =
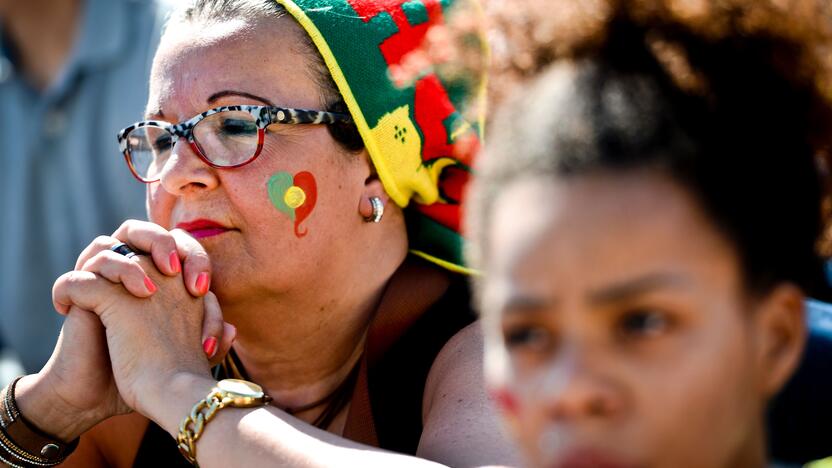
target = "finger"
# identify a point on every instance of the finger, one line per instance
(152, 238)
(98, 244)
(229, 334)
(212, 325)
(196, 263)
(83, 289)
(119, 269)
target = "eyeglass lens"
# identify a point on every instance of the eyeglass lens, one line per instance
(226, 138)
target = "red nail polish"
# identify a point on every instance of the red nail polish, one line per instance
(506, 401)
(175, 264)
(203, 281)
(209, 346)
(149, 285)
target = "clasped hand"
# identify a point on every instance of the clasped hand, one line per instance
(134, 323)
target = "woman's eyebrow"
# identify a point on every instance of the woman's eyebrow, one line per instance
(633, 287)
(229, 92)
(525, 303)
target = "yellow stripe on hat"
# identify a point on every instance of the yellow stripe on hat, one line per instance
(385, 174)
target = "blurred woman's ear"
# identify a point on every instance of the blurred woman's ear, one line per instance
(780, 328)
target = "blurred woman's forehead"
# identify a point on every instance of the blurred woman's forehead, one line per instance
(601, 226)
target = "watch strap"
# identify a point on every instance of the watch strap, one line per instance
(192, 426)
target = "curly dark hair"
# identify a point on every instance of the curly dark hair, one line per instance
(529, 35)
(732, 99)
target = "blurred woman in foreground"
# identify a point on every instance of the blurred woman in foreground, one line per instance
(283, 140)
(648, 218)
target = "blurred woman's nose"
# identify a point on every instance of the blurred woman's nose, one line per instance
(185, 172)
(578, 388)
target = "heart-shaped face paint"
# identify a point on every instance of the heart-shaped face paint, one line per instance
(294, 195)
(279, 184)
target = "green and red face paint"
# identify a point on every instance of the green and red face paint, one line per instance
(295, 196)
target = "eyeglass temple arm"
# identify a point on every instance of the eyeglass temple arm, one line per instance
(305, 116)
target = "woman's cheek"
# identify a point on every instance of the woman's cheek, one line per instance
(159, 205)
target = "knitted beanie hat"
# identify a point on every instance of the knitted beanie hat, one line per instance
(413, 118)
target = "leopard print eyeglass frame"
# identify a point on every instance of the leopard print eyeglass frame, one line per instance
(223, 137)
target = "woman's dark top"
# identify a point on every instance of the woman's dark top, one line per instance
(395, 378)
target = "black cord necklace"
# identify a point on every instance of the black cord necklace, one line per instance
(232, 367)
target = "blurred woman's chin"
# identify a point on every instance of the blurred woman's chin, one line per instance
(590, 458)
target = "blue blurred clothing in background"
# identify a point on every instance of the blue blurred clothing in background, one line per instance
(62, 177)
(800, 417)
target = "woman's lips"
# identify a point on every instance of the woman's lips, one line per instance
(203, 228)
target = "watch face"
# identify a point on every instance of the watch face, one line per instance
(241, 387)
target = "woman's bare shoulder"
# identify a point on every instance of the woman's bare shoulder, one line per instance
(462, 353)
(461, 425)
(112, 443)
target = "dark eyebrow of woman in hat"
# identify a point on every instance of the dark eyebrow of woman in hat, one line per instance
(229, 92)
(160, 115)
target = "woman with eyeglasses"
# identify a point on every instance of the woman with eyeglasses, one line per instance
(647, 303)
(304, 163)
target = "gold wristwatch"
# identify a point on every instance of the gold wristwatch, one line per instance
(229, 392)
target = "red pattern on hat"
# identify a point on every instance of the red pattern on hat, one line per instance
(409, 37)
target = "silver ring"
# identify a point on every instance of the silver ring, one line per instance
(378, 210)
(123, 249)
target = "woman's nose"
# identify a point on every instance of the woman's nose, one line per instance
(579, 389)
(185, 172)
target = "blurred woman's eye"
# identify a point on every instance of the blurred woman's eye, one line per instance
(527, 337)
(643, 323)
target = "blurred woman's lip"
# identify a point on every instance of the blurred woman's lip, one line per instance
(590, 459)
(202, 228)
